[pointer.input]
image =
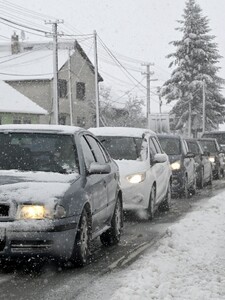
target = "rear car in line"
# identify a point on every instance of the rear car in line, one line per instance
(216, 156)
(182, 164)
(202, 162)
(145, 171)
(59, 189)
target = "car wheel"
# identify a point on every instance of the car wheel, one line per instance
(193, 187)
(165, 205)
(81, 249)
(210, 178)
(151, 204)
(185, 193)
(112, 235)
(201, 182)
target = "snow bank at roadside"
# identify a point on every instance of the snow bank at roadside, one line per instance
(189, 262)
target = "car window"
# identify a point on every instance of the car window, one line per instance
(120, 147)
(219, 136)
(96, 150)
(193, 147)
(157, 146)
(209, 146)
(38, 152)
(153, 149)
(88, 155)
(171, 146)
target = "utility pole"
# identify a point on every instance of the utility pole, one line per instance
(189, 119)
(96, 80)
(148, 74)
(69, 88)
(203, 106)
(55, 69)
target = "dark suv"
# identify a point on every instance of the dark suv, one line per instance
(182, 164)
(218, 135)
(216, 156)
(202, 163)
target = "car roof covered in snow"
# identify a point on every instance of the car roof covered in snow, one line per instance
(59, 129)
(121, 131)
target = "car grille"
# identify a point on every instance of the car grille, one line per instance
(4, 210)
(27, 246)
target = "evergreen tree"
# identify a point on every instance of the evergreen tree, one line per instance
(194, 62)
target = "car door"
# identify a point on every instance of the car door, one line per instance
(111, 179)
(189, 163)
(95, 187)
(158, 169)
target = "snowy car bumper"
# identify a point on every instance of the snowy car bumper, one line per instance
(54, 238)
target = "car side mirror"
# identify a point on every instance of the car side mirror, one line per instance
(159, 158)
(190, 155)
(96, 168)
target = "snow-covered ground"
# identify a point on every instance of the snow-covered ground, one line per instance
(187, 263)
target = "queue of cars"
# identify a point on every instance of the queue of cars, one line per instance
(63, 186)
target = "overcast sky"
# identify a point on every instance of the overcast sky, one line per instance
(136, 29)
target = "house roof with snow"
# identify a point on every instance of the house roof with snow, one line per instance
(12, 101)
(35, 62)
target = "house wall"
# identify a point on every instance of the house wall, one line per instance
(82, 109)
(8, 118)
(39, 91)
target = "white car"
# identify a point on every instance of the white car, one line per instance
(145, 171)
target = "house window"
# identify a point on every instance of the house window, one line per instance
(26, 121)
(81, 121)
(80, 87)
(17, 120)
(62, 88)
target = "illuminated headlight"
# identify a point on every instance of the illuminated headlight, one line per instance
(212, 159)
(175, 165)
(39, 212)
(136, 178)
(31, 212)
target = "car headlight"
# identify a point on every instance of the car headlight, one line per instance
(39, 212)
(212, 159)
(136, 178)
(31, 212)
(176, 165)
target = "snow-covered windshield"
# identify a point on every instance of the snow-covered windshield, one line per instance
(170, 145)
(38, 152)
(120, 147)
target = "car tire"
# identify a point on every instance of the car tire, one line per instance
(81, 249)
(112, 235)
(193, 187)
(185, 193)
(151, 204)
(165, 205)
(210, 178)
(201, 182)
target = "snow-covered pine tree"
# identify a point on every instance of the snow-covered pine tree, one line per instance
(195, 61)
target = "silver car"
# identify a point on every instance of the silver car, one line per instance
(59, 189)
(145, 171)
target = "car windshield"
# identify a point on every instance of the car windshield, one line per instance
(170, 146)
(219, 136)
(193, 147)
(38, 152)
(209, 146)
(129, 148)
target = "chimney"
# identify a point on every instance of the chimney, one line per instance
(15, 46)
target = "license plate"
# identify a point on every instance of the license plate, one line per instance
(2, 234)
